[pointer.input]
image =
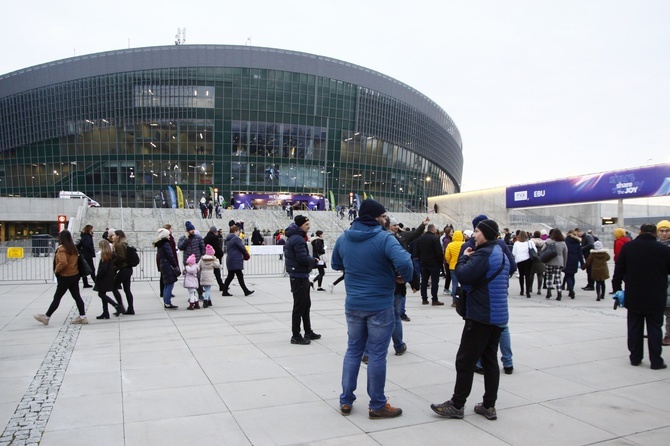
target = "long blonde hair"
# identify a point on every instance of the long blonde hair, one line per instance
(105, 251)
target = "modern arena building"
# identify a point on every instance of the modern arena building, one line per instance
(130, 127)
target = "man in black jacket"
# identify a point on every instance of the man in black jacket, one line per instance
(644, 264)
(299, 265)
(588, 244)
(429, 252)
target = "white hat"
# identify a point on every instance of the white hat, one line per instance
(163, 233)
(468, 233)
(393, 222)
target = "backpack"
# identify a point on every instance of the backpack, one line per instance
(132, 258)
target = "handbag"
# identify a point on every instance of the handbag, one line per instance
(462, 295)
(177, 271)
(532, 253)
(83, 266)
(548, 252)
(246, 255)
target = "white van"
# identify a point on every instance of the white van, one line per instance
(76, 195)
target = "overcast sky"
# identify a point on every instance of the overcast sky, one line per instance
(538, 89)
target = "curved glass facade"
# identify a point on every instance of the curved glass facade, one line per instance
(124, 129)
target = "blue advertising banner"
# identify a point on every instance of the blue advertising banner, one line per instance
(650, 181)
(297, 201)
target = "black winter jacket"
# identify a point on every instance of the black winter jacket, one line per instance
(298, 261)
(644, 265)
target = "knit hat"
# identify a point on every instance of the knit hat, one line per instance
(213, 229)
(371, 208)
(598, 245)
(394, 222)
(489, 228)
(209, 250)
(189, 226)
(468, 233)
(110, 232)
(163, 233)
(477, 219)
(300, 220)
(190, 260)
(663, 224)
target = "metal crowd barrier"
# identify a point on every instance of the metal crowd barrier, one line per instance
(36, 265)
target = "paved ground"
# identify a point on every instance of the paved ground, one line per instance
(228, 375)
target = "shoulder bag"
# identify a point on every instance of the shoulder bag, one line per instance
(548, 252)
(532, 253)
(83, 266)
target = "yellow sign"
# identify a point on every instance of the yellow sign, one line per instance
(14, 253)
(180, 198)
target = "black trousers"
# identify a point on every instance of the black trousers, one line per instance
(106, 302)
(240, 279)
(525, 276)
(301, 305)
(322, 273)
(71, 284)
(123, 279)
(636, 322)
(217, 274)
(478, 340)
(432, 273)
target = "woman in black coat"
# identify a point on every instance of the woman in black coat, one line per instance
(105, 281)
(87, 251)
(575, 258)
(168, 265)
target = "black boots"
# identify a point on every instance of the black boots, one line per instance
(548, 296)
(558, 295)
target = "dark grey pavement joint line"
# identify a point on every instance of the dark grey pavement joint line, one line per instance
(30, 419)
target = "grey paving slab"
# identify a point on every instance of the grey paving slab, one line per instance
(228, 375)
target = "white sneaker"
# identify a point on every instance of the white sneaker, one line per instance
(80, 320)
(330, 288)
(41, 318)
(446, 292)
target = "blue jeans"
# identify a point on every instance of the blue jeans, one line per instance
(369, 330)
(505, 349)
(398, 301)
(167, 293)
(205, 292)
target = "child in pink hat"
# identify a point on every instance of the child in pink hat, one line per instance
(191, 282)
(208, 263)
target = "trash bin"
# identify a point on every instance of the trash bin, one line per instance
(41, 244)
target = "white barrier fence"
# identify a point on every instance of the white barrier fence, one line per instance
(36, 265)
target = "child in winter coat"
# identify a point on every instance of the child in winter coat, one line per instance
(208, 263)
(191, 282)
(104, 281)
(599, 270)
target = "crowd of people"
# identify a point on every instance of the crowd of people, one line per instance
(378, 259)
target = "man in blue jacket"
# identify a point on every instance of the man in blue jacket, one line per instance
(298, 266)
(486, 270)
(371, 256)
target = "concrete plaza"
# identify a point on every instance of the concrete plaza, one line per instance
(228, 375)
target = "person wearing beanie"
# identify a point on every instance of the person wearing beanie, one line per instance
(644, 265)
(373, 259)
(168, 265)
(486, 271)
(318, 251)
(587, 245)
(215, 240)
(237, 254)
(191, 282)
(663, 229)
(299, 265)
(192, 243)
(208, 265)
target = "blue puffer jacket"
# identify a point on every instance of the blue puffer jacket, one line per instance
(370, 256)
(485, 304)
(298, 261)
